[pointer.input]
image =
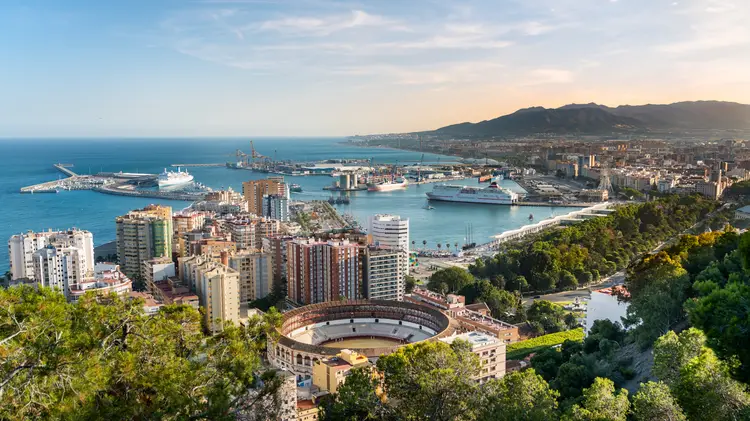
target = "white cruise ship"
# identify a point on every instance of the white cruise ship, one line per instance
(171, 178)
(493, 194)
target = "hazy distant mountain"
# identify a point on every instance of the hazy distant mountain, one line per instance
(542, 120)
(597, 119)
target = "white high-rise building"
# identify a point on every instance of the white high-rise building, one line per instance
(22, 248)
(60, 268)
(390, 231)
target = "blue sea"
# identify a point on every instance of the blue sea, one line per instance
(29, 161)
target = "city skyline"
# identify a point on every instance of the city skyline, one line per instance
(321, 67)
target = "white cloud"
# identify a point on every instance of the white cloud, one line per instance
(330, 24)
(548, 76)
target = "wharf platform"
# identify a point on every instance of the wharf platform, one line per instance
(64, 169)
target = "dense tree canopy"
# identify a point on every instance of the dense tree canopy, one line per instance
(450, 280)
(106, 359)
(565, 258)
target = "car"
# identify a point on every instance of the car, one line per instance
(537, 296)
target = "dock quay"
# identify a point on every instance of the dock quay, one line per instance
(199, 165)
(119, 183)
(64, 169)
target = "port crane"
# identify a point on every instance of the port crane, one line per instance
(241, 158)
(254, 154)
(419, 170)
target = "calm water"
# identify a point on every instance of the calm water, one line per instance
(27, 162)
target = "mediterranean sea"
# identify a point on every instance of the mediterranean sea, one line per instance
(29, 161)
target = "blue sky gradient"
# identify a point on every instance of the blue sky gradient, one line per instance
(325, 67)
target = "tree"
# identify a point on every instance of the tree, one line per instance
(547, 361)
(454, 278)
(356, 399)
(724, 316)
(567, 280)
(431, 381)
(103, 358)
(653, 401)
(699, 381)
(519, 396)
(600, 402)
(550, 315)
(409, 283)
(744, 247)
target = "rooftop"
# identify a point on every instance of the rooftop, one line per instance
(476, 339)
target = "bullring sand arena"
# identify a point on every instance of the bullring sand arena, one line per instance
(369, 327)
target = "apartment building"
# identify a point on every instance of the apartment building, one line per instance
(276, 246)
(183, 223)
(384, 274)
(276, 206)
(218, 289)
(60, 268)
(256, 274)
(106, 279)
(142, 235)
(248, 232)
(254, 190)
(489, 349)
(320, 271)
(22, 247)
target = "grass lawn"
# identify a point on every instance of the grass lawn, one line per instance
(520, 350)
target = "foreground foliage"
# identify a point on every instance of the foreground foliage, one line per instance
(108, 360)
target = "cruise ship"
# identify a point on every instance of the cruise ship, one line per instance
(388, 185)
(171, 178)
(493, 194)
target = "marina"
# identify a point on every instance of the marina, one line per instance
(125, 163)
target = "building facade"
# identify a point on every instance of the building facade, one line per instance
(276, 206)
(22, 247)
(320, 271)
(390, 231)
(254, 190)
(143, 235)
(217, 286)
(489, 349)
(256, 274)
(384, 274)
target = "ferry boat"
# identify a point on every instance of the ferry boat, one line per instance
(171, 178)
(295, 188)
(493, 194)
(388, 185)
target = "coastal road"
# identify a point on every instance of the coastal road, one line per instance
(558, 297)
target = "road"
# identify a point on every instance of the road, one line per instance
(558, 297)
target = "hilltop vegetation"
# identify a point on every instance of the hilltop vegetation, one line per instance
(599, 119)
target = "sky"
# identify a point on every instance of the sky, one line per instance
(336, 68)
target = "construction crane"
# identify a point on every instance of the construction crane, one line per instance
(254, 154)
(241, 157)
(419, 170)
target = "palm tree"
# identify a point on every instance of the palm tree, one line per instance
(439, 245)
(455, 245)
(424, 243)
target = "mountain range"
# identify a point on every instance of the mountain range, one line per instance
(600, 119)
